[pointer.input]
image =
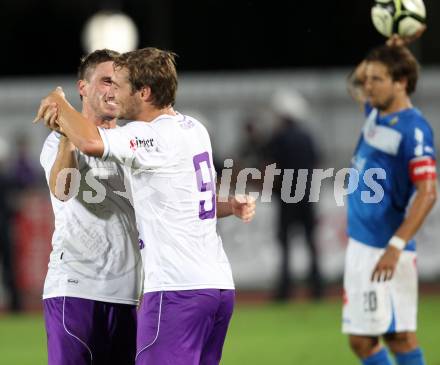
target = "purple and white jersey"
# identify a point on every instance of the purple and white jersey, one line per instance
(95, 251)
(173, 189)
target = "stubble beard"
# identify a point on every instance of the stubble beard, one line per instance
(129, 111)
(384, 106)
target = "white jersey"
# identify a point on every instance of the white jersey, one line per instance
(95, 251)
(173, 185)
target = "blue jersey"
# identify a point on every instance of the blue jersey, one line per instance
(389, 147)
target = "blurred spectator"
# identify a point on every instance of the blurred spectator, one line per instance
(252, 145)
(23, 168)
(6, 245)
(292, 147)
(253, 140)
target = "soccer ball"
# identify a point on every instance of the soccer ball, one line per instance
(403, 17)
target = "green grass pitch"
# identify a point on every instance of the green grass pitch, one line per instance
(304, 333)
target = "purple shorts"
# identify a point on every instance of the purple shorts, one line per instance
(83, 332)
(186, 327)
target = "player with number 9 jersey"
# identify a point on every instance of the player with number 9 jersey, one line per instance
(173, 190)
(188, 284)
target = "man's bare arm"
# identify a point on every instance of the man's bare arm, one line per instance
(422, 204)
(81, 132)
(355, 84)
(66, 159)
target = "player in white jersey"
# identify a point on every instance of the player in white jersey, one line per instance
(94, 279)
(188, 283)
(396, 145)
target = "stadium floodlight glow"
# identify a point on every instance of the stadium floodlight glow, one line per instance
(112, 30)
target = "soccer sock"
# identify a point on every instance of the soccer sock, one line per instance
(379, 358)
(414, 357)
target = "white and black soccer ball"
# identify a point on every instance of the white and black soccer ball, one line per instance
(403, 17)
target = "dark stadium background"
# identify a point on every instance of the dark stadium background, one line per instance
(42, 36)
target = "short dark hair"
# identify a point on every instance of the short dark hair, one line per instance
(90, 61)
(399, 61)
(154, 68)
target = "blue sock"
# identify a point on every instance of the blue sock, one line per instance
(379, 358)
(414, 357)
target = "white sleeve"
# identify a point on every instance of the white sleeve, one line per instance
(136, 146)
(49, 152)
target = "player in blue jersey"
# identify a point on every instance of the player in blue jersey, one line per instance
(395, 155)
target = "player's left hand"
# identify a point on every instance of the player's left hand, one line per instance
(48, 110)
(243, 207)
(386, 265)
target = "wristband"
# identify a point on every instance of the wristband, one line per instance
(397, 242)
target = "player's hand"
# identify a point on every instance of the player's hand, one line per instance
(386, 265)
(243, 207)
(50, 116)
(397, 41)
(48, 110)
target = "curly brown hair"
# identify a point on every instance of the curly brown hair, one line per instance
(153, 68)
(399, 61)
